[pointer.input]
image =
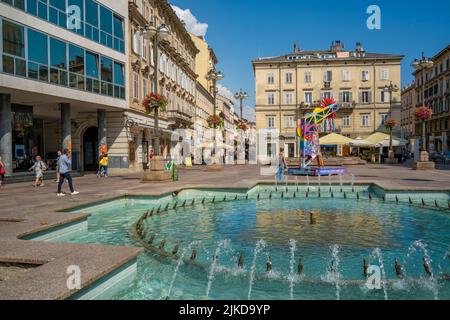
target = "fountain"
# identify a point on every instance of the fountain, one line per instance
(340, 180)
(318, 179)
(329, 181)
(260, 245)
(353, 182)
(221, 245)
(296, 183)
(179, 263)
(332, 275)
(293, 246)
(376, 254)
(427, 262)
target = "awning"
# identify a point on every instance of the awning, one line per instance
(377, 140)
(334, 139)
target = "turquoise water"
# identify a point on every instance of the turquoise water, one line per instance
(342, 229)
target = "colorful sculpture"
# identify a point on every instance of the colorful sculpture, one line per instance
(308, 131)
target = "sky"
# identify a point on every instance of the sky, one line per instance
(243, 30)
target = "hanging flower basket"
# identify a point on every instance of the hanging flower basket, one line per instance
(391, 123)
(154, 101)
(242, 126)
(215, 121)
(423, 113)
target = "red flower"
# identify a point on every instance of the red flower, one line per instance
(423, 113)
(391, 123)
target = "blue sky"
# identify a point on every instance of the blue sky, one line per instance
(243, 30)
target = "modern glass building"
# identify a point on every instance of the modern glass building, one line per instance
(63, 81)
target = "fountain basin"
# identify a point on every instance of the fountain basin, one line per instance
(356, 220)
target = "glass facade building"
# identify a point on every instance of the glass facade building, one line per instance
(87, 18)
(41, 57)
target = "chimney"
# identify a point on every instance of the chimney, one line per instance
(359, 47)
(337, 46)
(296, 48)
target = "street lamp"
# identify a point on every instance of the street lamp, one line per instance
(158, 34)
(241, 96)
(391, 88)
(423, 65)
(214, 76)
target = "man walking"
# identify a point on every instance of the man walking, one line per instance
(64, 170)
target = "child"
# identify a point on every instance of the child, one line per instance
(2, 172)
(104, 165)
(39, 170)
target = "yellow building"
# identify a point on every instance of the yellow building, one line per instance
(407, 122)
(290, 86)
(433, 90)
(176, 78)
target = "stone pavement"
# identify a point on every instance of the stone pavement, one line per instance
(25, 210)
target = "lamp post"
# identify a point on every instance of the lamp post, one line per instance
(241, 96)
(422, 65)
(214, 76)
(391, 88)
(158, 34)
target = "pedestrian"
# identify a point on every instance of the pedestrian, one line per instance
(282, 165)
(104, 166)
(64, 170)
(39, 169)
(2, 172)
(58, 160)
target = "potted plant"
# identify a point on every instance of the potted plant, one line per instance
(215, 121)
(423, 114)
(154, 102)
(242, 126)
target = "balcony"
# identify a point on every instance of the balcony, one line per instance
(327, 85)
(179, 120)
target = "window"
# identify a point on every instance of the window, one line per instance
(92, 20)
(345, 75)
(384, 74)
(346, 120)
(365, 76)
(365, 97)
(144, 87)
(107, 76)
(92, 72)
(345, 97)
(288, 98)
(308, 77)
(144, 48)
(38, 53)
(270, 78)
(19, 4)
(119, 43)
(328, 76)
(135, 86)
(289, 122)
(13, 49)
(76, 67)
(78, 22)
(271, 122)
(119, 80)
(271, 98)
(384, 117)
(365, 119)
(308, 97)
(106, 27)
(13, 39)
(385, 96)
(58, 62)
(326, 95)
(288, 77)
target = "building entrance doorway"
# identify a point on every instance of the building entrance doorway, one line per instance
(90, 150)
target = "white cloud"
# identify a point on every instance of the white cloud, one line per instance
(192, 24)
(249, 113)
(225, 92)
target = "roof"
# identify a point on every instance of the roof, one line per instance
(320, 55)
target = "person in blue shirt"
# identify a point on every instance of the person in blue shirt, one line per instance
(65, 164)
